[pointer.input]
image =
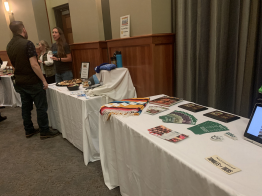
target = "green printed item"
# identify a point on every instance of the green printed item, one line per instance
(172, 118)
(179, 117)
(260, 90)
(207, 127)
(193, 118)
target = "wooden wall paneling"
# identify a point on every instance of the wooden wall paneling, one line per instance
(136, 59)
(85, 55)
(105, 56)
(150, 60)
(4, 56)
(93, 52)
(164, 69)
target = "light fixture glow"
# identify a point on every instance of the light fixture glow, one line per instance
(6, 6)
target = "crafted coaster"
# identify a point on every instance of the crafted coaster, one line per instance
(152, 110)
(166, 101)
(222, 116)
(231, 135)
(217, 138)
(193, 107)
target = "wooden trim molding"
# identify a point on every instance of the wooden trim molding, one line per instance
(93, 52)
(150, 60)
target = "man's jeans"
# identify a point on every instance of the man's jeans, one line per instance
(29, 94)
(68, 75)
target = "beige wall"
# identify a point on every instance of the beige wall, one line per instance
(41, 19)
(55, 3)
(50, 4)
(161, 16)
(32, 13)
(4, 29)
(147, 17)
(23, 11)
(100, 23)
(86, 20)
(140, 16)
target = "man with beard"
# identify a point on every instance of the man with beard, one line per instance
(29, 81)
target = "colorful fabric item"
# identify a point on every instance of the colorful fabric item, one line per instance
(125, 107)
(105, 66)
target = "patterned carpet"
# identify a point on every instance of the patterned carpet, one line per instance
(44, 167)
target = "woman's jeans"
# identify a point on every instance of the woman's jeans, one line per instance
(68, 75)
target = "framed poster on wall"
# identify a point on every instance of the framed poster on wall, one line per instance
(125, 26)
(84, 70)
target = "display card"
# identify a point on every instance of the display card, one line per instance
(166, 101)
(207, 127)
(152, 110)
(222, 116)
(193, 107)
(223, 165)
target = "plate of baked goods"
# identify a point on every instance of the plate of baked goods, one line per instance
(69, 82)
(73, 87)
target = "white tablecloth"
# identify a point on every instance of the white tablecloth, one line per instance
(8, 95)
(76, 118)
(117, 84)
(145, 165)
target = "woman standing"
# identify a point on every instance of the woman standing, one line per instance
(61, 56)
(46, 63)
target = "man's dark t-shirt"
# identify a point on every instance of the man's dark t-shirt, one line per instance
(62, 67)
(19, 51)
(30, 49)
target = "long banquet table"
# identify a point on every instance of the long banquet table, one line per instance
(8, 95)
(76, 118)
(145, 165)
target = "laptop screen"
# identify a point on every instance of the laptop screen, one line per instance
(255, 127)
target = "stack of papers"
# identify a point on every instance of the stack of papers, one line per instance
(179, 117)
(207, 127)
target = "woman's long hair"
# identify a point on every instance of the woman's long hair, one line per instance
(45, 44)
(60, 43)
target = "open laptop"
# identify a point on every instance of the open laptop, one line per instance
(253, 131)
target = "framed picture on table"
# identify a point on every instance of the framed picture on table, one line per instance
(84, 70)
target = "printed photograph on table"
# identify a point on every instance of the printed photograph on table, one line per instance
(178, 138)
(222, 116)
(193, 107)
(166, 101)
(152, 110)
(159, 130)
(167, 134)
